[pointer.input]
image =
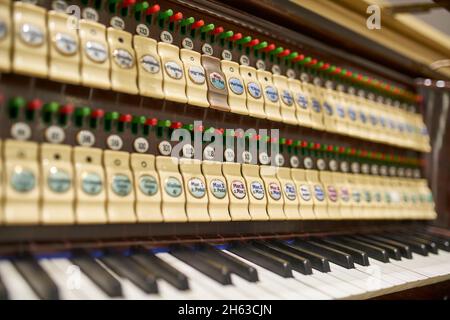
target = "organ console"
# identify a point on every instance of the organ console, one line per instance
(208, 150)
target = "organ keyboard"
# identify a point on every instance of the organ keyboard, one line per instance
(175, 151)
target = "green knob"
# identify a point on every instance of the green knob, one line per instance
(186, 22)
(142, 6)
(82, 112)
(139, 119)
(292, 56)
(282, 141)
(163, 15)
(244, 40)
(207, 28)
(261, 45)
(226, 34)
(189, 127)
(51, 107)
(113, 115)
(164, 123)
(17, 102)
(277, 50)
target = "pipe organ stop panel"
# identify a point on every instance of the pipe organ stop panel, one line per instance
(202, 128)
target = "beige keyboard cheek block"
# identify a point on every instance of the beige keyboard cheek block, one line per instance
(196, 87)
(5, 35)
(90, 194)
(57, 185)
(120, 187)
(174, 84)
(331, 193)
(237, 191)
(95, 62)
(21, 173)
(275, 201)
(150, 77)
(123, 61)
(290, 194)
(315, 105)
(344, 192)
(217, 191)
(318, 194)
(147, 187)
(302, 103)
(286, 99)
(195, 186)
(304, 194)
(237, 97)
(271, 96)
(257, 206)
(172, 190)
(64, 62)
(30, 40)
(255, 100)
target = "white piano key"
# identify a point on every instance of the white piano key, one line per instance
(80, 281)
(60, 280)
(200, 282)
(17, 287)
(271, 280)
(129, 290)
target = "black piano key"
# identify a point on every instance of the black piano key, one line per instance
(392, 251)
(36, 277)
(441, 243)
(415, 246)
(98, 275)
(128, 269)
(359, 256)
(203, 263)
(3, 291)
(161, 269)
(373, 251)
(318, 262)
(334, 255)
(235, 265)
(430, 244)
(263, 259)
(298, 263)
(404, 249)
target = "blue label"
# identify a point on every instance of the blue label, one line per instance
(304, 192)
(287, 98)
(352, 114)
(318, 192)
(340, 111)
(363, 117)
(373, 120)
(356, 196)
(236, 86)
(302, 101)
(382, 122)
(328, 109)
(316, 105)
(217, 80)
(254, 89)
(271, 93)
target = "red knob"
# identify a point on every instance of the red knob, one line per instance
(35, 104)
(153, 9)
(176, 17)
(197, 24)
(125, 118)
(217, 30)
(97, 113)
(236, 36)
